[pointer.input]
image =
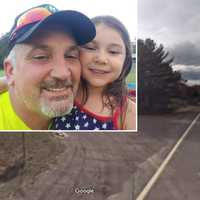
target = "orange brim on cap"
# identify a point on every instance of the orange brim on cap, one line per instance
(80, 26)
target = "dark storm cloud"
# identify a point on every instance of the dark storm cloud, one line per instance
(174, 23)
(186, 53)
(189, 72)
(191, 75)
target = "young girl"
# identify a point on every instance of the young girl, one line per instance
(102, 102)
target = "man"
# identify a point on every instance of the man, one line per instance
(42, 68)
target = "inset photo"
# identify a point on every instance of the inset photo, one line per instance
(65, 66)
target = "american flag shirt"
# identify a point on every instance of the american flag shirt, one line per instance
(82, 119)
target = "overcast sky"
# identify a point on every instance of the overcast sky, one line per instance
(175, 24)
(124, 10)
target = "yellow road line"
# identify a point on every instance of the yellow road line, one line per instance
(157, 174)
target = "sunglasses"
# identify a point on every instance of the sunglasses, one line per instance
(31, 16)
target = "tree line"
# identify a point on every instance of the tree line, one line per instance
(3, 48)
(160, 88)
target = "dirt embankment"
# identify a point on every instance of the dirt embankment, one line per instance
(48, 167)
(24, 157)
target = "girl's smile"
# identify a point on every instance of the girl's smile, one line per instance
(103, 59)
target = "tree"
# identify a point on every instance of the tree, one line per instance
(3, 48)
(157, 82)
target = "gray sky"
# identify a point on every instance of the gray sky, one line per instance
(124, 10)
(175, 24)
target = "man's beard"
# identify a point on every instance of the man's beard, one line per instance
(57, 108)
(49, 107)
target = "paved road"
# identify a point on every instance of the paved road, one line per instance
(181, 178)
(159, 133)
(112, 166)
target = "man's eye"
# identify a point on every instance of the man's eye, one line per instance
(40, 57)
(72, 56)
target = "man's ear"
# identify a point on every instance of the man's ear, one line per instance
(9, 71)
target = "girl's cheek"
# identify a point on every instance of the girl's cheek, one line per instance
(85, 58)
(82, 57)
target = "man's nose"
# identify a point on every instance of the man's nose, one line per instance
(61, 70)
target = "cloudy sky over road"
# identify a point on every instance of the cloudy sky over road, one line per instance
(175, 24)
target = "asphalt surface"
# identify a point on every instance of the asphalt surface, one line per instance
(181, 177)
(158, 135)
(110, 166)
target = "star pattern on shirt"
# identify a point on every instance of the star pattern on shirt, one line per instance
(86, 124)
(82, 120)
(68, 125)
(77, 118)
(104, 126)
(77, 127)
(63, 119)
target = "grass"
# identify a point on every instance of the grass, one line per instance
(132, 76)
(1, 72)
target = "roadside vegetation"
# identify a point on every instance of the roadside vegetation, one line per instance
(1, 73)
(132, 76)
(161, 89)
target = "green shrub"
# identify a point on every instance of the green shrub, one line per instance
(1, 72)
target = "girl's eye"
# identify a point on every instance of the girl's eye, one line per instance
(114, 52)
(89, 47)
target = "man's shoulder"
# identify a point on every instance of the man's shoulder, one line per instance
(9, 120)
(4, 98)
(4, 108)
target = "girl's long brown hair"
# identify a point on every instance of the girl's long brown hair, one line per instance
(114, 94)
